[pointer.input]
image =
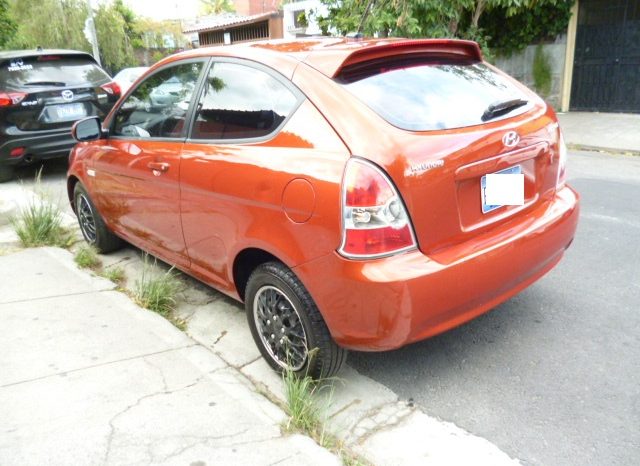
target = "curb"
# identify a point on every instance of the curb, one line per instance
(606, 150)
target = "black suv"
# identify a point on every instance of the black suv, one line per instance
(42, 93)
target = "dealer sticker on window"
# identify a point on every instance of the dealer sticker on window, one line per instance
(18, 65)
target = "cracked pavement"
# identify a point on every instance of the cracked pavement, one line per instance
(87, 377)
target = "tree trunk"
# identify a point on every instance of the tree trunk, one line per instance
(480, 6)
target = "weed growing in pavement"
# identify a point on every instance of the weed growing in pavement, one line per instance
(349, 459)
(115, 274)
(156, 291)
(305, 414)
(87, 257)
(40, 222)
(308, 415)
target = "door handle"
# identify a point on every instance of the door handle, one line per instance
(158, 166)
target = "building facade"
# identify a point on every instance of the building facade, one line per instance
(299, 18)
(230, 29)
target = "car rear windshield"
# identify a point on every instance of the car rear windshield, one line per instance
(423, 93)
(50, 70)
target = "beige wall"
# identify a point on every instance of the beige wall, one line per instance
(275, 27)
(565, 99)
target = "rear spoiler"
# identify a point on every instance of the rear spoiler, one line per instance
(331, 62)
(30, 54)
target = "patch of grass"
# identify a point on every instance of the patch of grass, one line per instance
(115, 274)
(156, 291)
(308, 416)
(87, 257)
(40, 222)
(349, 459)
(305, 415)
(542, 73)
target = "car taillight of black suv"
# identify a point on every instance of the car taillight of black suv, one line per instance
(42, 93)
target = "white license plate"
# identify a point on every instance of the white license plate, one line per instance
(70, 112)
(515, 183)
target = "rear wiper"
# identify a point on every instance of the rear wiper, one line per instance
(45, 83)
(500, 108)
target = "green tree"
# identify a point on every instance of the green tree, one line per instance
(49, 23)
(528, 26)
(116, 51)
(153, 33)
(215, 7)
(427, 18)
(8, 27)
(130, 22)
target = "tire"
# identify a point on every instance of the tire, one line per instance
(6, 173)
(92, 225)
(277, 304)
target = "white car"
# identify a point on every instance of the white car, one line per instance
(126, 77)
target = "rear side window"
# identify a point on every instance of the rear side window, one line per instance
(241, 102)
(422, 94)
(50, 70)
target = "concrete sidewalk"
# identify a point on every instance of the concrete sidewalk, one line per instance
(87, 377)
(610, 132)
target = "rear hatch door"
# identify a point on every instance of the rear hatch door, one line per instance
(51, 91)
(452, 120)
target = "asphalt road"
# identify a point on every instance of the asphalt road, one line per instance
(551, 376)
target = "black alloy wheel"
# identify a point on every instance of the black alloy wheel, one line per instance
(280, 328)
(287, 326)
(92, 225)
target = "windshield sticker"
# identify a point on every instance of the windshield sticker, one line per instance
(18, 65)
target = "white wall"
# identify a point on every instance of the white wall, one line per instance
(292, 9)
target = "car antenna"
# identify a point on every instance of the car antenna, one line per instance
(39, 48)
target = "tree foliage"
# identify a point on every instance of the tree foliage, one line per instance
(27, 24)
(215, 7)
(116, 51)
(527, 26)
(8, 26)
(49, 23)
(152, 34)
(470, 19)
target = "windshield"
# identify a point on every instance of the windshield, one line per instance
(421, 94)
(50, 70)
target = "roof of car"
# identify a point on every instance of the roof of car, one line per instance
(8, 54)
(329, 54)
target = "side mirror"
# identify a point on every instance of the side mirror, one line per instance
(88, 129)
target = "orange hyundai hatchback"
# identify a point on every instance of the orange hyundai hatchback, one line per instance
(353, 194)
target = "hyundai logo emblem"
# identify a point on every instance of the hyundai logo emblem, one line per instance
(67, 96)
(511, 139)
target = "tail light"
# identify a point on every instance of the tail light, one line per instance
(375, 222)
(9, 99)
(112, 88)
(562, 162)
(16, 152)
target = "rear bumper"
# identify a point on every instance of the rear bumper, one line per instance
(37, 146)
(387, 303)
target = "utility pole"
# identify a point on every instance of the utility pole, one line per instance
(90, 33)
